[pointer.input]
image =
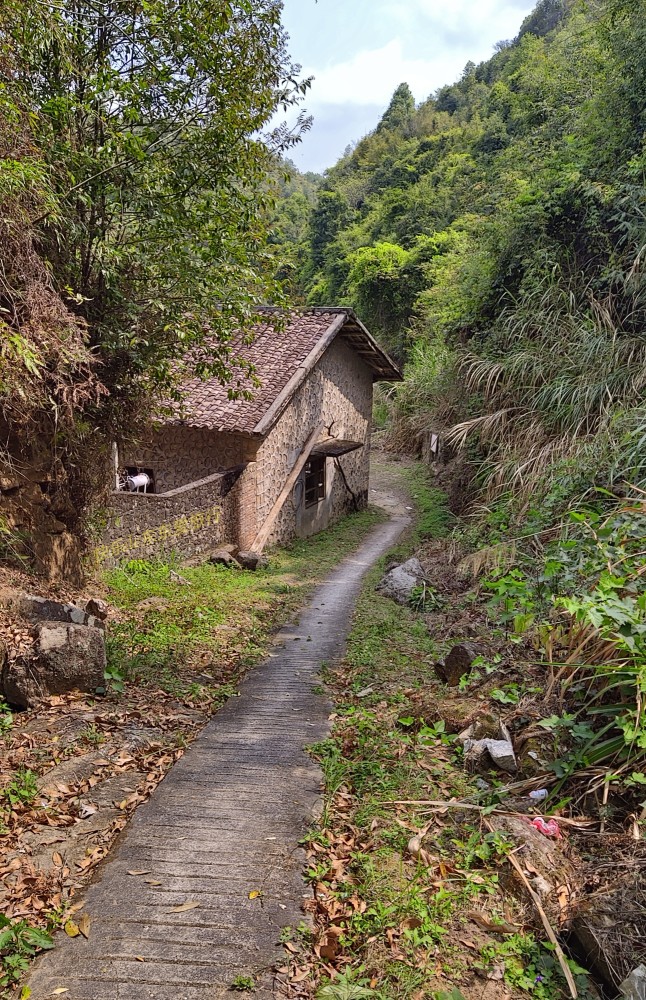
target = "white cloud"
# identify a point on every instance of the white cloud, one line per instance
(490, 18)
(371, 76)
(378, 44)
(432, 42)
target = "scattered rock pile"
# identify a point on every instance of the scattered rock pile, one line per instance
(233, 558)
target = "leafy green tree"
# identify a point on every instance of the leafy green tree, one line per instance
(331, 214)
(378, 284)
(544, 18)
(148, 119)
(135, 198)
(290, 225)
(400, 110)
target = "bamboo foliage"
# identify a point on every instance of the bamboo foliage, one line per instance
(561, 369)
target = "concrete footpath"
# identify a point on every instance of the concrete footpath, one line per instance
(224, 824)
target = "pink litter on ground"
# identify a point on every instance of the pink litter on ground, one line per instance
(548, 827)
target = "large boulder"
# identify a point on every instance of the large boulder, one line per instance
(400, 582)
(66, 658)
(41, 609)
(252, 560)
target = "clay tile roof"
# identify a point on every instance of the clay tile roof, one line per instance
(281, 360)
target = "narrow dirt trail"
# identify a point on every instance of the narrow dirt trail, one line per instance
(171, 913)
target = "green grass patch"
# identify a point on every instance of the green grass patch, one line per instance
(434, 519)
(388, 643)
(196, 638)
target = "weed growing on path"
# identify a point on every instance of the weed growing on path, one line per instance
(22, 789)
(243, 983)
(6, 718)
(19, 942)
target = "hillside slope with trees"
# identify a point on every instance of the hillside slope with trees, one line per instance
(494, 239)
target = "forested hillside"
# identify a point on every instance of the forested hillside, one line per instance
(493, 238)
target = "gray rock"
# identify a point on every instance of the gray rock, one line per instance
(400, 582)
(482, 753)
(634, 987)
(252, 560)
(502, 754)
(225, 547)
(41, 609)
(67, 658)
(96, 607)
(222, 557)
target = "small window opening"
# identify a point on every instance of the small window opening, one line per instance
(139, 480)
(315, 480)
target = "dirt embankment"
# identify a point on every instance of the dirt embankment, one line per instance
(38, 522)
(592, 877)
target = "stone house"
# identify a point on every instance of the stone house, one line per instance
(287, 458)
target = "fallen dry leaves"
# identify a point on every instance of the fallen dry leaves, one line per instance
(51, 845)
(184, 908)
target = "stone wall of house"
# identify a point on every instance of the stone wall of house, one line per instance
(180, 455)
(339, 392)
(190, 517)
(189, 521)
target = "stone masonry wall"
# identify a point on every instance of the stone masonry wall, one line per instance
(339, 392)
(181, 455)
(197, 505)
(189, 521)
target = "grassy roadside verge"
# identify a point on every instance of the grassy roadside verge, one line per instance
(73, 772)
(410, 902)
(191, 632)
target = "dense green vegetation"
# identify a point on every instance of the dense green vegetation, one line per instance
(493, 238)
(289, 230)
(135, 195)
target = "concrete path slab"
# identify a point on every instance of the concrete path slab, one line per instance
(225, 822)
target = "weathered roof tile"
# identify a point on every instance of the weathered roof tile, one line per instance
(278, 357)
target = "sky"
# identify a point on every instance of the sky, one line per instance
(359, 51)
